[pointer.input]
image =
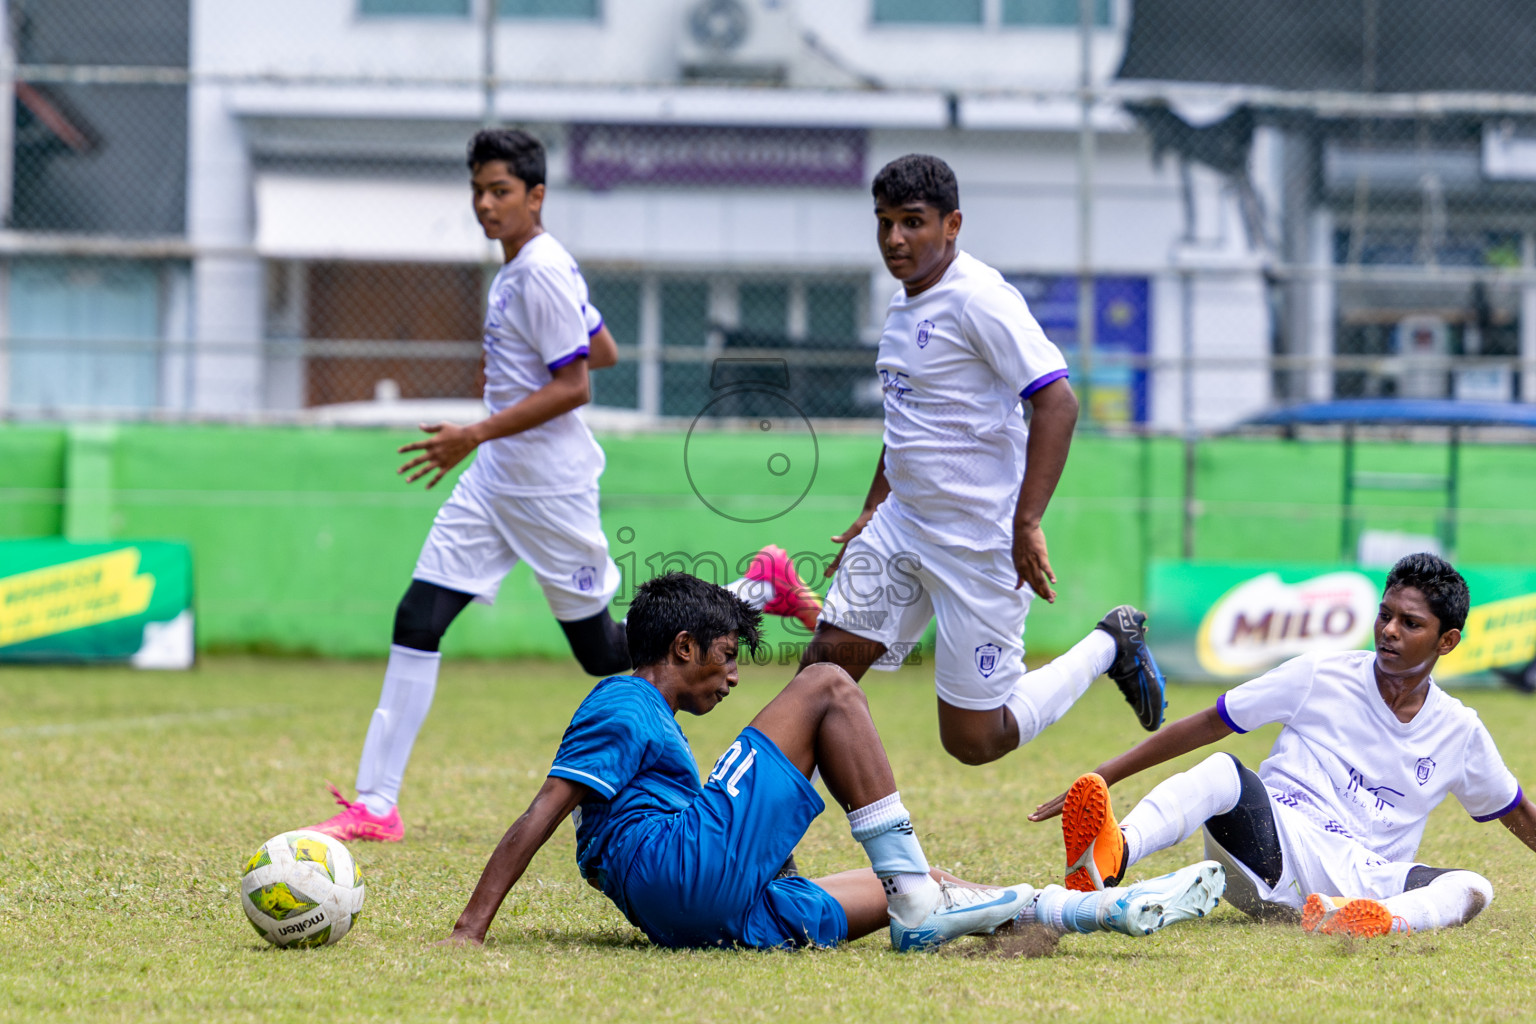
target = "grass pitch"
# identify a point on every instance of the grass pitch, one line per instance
(129, 801)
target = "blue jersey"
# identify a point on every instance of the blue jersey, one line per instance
(625, 745)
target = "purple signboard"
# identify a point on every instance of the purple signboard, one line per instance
(606, 155)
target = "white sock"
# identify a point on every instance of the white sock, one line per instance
(757, 593)
(884, 828)
(410, 680)
(1451, 899)
(1044, 695)
(1179, 805)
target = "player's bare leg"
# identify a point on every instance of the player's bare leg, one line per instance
(852, 653)
(862, 897)
(821, 720)
(1117, 646)
(977, 737)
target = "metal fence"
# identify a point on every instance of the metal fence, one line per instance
(220, 215)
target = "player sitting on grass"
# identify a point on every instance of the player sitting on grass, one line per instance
(950, 528)
(531, 494)
(694, 865)
(1329, 826)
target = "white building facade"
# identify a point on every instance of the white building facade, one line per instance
(709, 166)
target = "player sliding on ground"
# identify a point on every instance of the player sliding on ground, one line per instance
(1330, 825)
(694, 865)
(531, 494)
(951, 526)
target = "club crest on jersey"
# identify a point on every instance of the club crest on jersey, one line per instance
(924, 332)
(986, 659)
(1425, 769)
(585, 578)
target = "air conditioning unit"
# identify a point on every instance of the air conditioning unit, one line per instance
(737, 40)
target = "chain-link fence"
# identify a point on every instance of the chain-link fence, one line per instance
(213, 212)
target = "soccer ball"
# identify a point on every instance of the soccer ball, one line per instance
(302, 889)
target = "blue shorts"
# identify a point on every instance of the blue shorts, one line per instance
(707, 878)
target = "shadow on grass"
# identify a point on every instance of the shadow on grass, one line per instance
(627, 938)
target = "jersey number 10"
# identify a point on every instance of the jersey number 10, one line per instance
(724, 765)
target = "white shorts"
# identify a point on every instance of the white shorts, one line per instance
(477, 538)
(1313, 860)
(892, 582)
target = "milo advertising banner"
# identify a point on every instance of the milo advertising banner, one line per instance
(64, 601)
(1230, 621)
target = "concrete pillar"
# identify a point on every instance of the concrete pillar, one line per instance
(227, 286)
(1528, 320)
(1322, 301)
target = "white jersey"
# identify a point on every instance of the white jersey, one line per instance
(1345, 762)
(955, 361)
(537, 320)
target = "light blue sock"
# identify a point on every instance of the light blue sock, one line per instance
(1068, 911)
(1081, 914)
(884, 829)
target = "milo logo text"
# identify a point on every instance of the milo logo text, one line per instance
(1264, 620)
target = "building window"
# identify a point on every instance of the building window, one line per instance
(832, 314)
(618, 299)
(800, 333)
(446, 8)
(564, 10)
(418, 325)
(84, 334)
(684, 324)
(947, 12)
(763, 311)
(1066, 13)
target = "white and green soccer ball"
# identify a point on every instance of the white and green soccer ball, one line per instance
(302, 889)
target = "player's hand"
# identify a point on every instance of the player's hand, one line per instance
(1032, 561)
(461, 938)
(442, 451)
(846, 536)
(1049, 809)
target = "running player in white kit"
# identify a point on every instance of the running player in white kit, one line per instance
(951, 527)
(531, 494)
(1327, 831)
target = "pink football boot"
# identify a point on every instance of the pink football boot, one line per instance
(358, 822)
(791, 597)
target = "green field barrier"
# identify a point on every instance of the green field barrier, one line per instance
(303, 539)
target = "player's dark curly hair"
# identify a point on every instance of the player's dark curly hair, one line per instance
(1443, 588)
(670, 604)
(918, 178)
(522, 153)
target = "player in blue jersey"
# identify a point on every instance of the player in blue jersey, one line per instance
(694, 865)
